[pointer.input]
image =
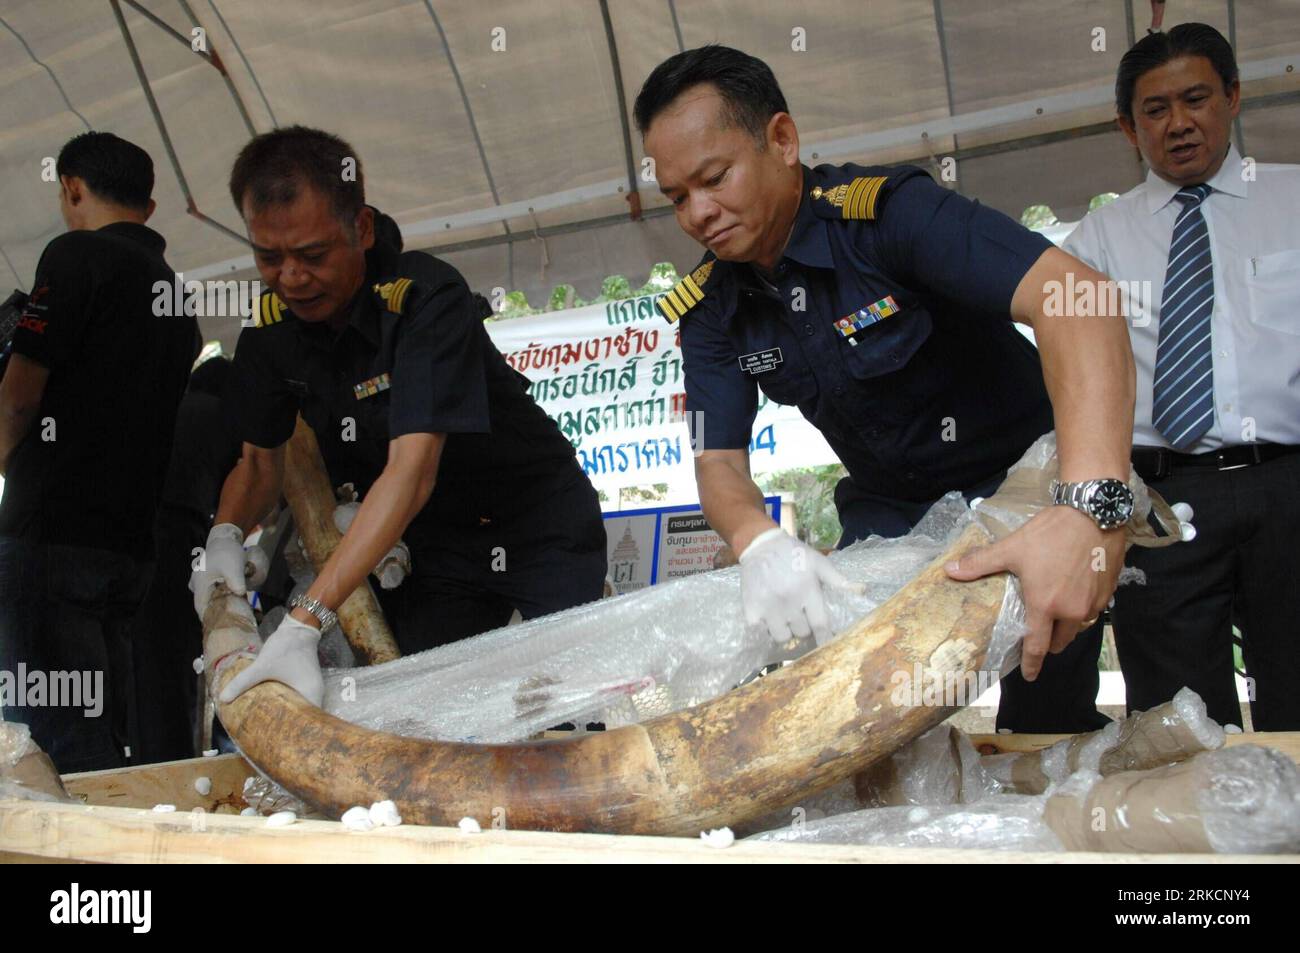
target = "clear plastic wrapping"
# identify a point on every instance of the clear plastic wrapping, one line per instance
(26, 772)
(615, 661)
(940, 767)
(671, 646)
(1166, 734)
(1244, 799)
(1007, 822)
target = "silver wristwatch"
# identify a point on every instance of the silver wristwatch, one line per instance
(326, 617)
(1108, 502)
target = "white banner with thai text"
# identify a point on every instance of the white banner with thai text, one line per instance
(610, 375)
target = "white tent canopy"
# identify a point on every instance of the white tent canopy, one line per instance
(497, 133)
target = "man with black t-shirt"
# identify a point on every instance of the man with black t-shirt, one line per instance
(87, 406)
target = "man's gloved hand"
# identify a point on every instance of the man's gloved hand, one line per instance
(223, 561)
(781, 583)
(289, 656)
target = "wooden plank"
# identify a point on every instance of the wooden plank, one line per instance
(171, 782)
(122, 835)
(1287, 742)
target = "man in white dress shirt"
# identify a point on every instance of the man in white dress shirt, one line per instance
(1217, 346)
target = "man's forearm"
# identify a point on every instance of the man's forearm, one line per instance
(1087, 367)
(732, 503)
(1089, 372)
(393, 501)
(249, 493)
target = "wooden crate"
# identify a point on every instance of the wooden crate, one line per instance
(116, 823)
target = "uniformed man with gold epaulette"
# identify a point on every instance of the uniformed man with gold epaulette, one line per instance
(881, 304)
(385, 355)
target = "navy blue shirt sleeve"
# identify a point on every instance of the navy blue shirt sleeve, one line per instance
(259, 401)
(54, 318)
(938, 241)
(721, 399)
(439, 376)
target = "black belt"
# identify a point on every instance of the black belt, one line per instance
(1154, 463)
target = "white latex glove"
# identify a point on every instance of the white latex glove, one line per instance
(1184, 513)
(223, 561)
(289, 656)
(781, 583)
(394, 566)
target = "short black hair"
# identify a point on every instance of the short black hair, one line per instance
(276, 165)
(1156, 49)
(114, 169)
(747, 85)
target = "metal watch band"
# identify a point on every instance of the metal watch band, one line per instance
(1077, 496)
(326, 617)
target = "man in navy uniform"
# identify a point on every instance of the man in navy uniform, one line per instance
(880, 305)
(385, 355)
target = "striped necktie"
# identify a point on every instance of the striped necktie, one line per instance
(1183, 391)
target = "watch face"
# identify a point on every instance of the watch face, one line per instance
(1111, 503)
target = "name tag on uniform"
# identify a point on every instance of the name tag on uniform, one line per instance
(371, 387)
(761, 361)
(865, 317)
(298, 387)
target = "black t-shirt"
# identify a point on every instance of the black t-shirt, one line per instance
(90, 470)
(414, 357)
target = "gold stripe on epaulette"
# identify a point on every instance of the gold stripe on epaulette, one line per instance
(270, 310)
(686, 294)
(861, 195)
(399, 294)
(394, 293)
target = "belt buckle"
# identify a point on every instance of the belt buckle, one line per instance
(1254, 452)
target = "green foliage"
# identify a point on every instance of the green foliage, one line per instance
(1105, 198)
(1038, 216)
(635, 495)
(662, 277)
(813, 489)
(614, 288)
(515, 305)
(564, 297)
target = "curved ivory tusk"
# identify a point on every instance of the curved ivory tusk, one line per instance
(311, 497)
(724, 762)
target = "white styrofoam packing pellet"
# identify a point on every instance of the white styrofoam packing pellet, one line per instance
(720, 837)
(357, 819)
(384, 814)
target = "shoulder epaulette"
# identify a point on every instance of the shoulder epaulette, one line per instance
(394, 294)
(855, 199)
(686, 294)
(270, 310)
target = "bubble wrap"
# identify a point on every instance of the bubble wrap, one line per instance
(616, 661)
(1006, 822)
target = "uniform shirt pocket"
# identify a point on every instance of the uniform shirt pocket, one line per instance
(887, 346)
(1274, 283)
